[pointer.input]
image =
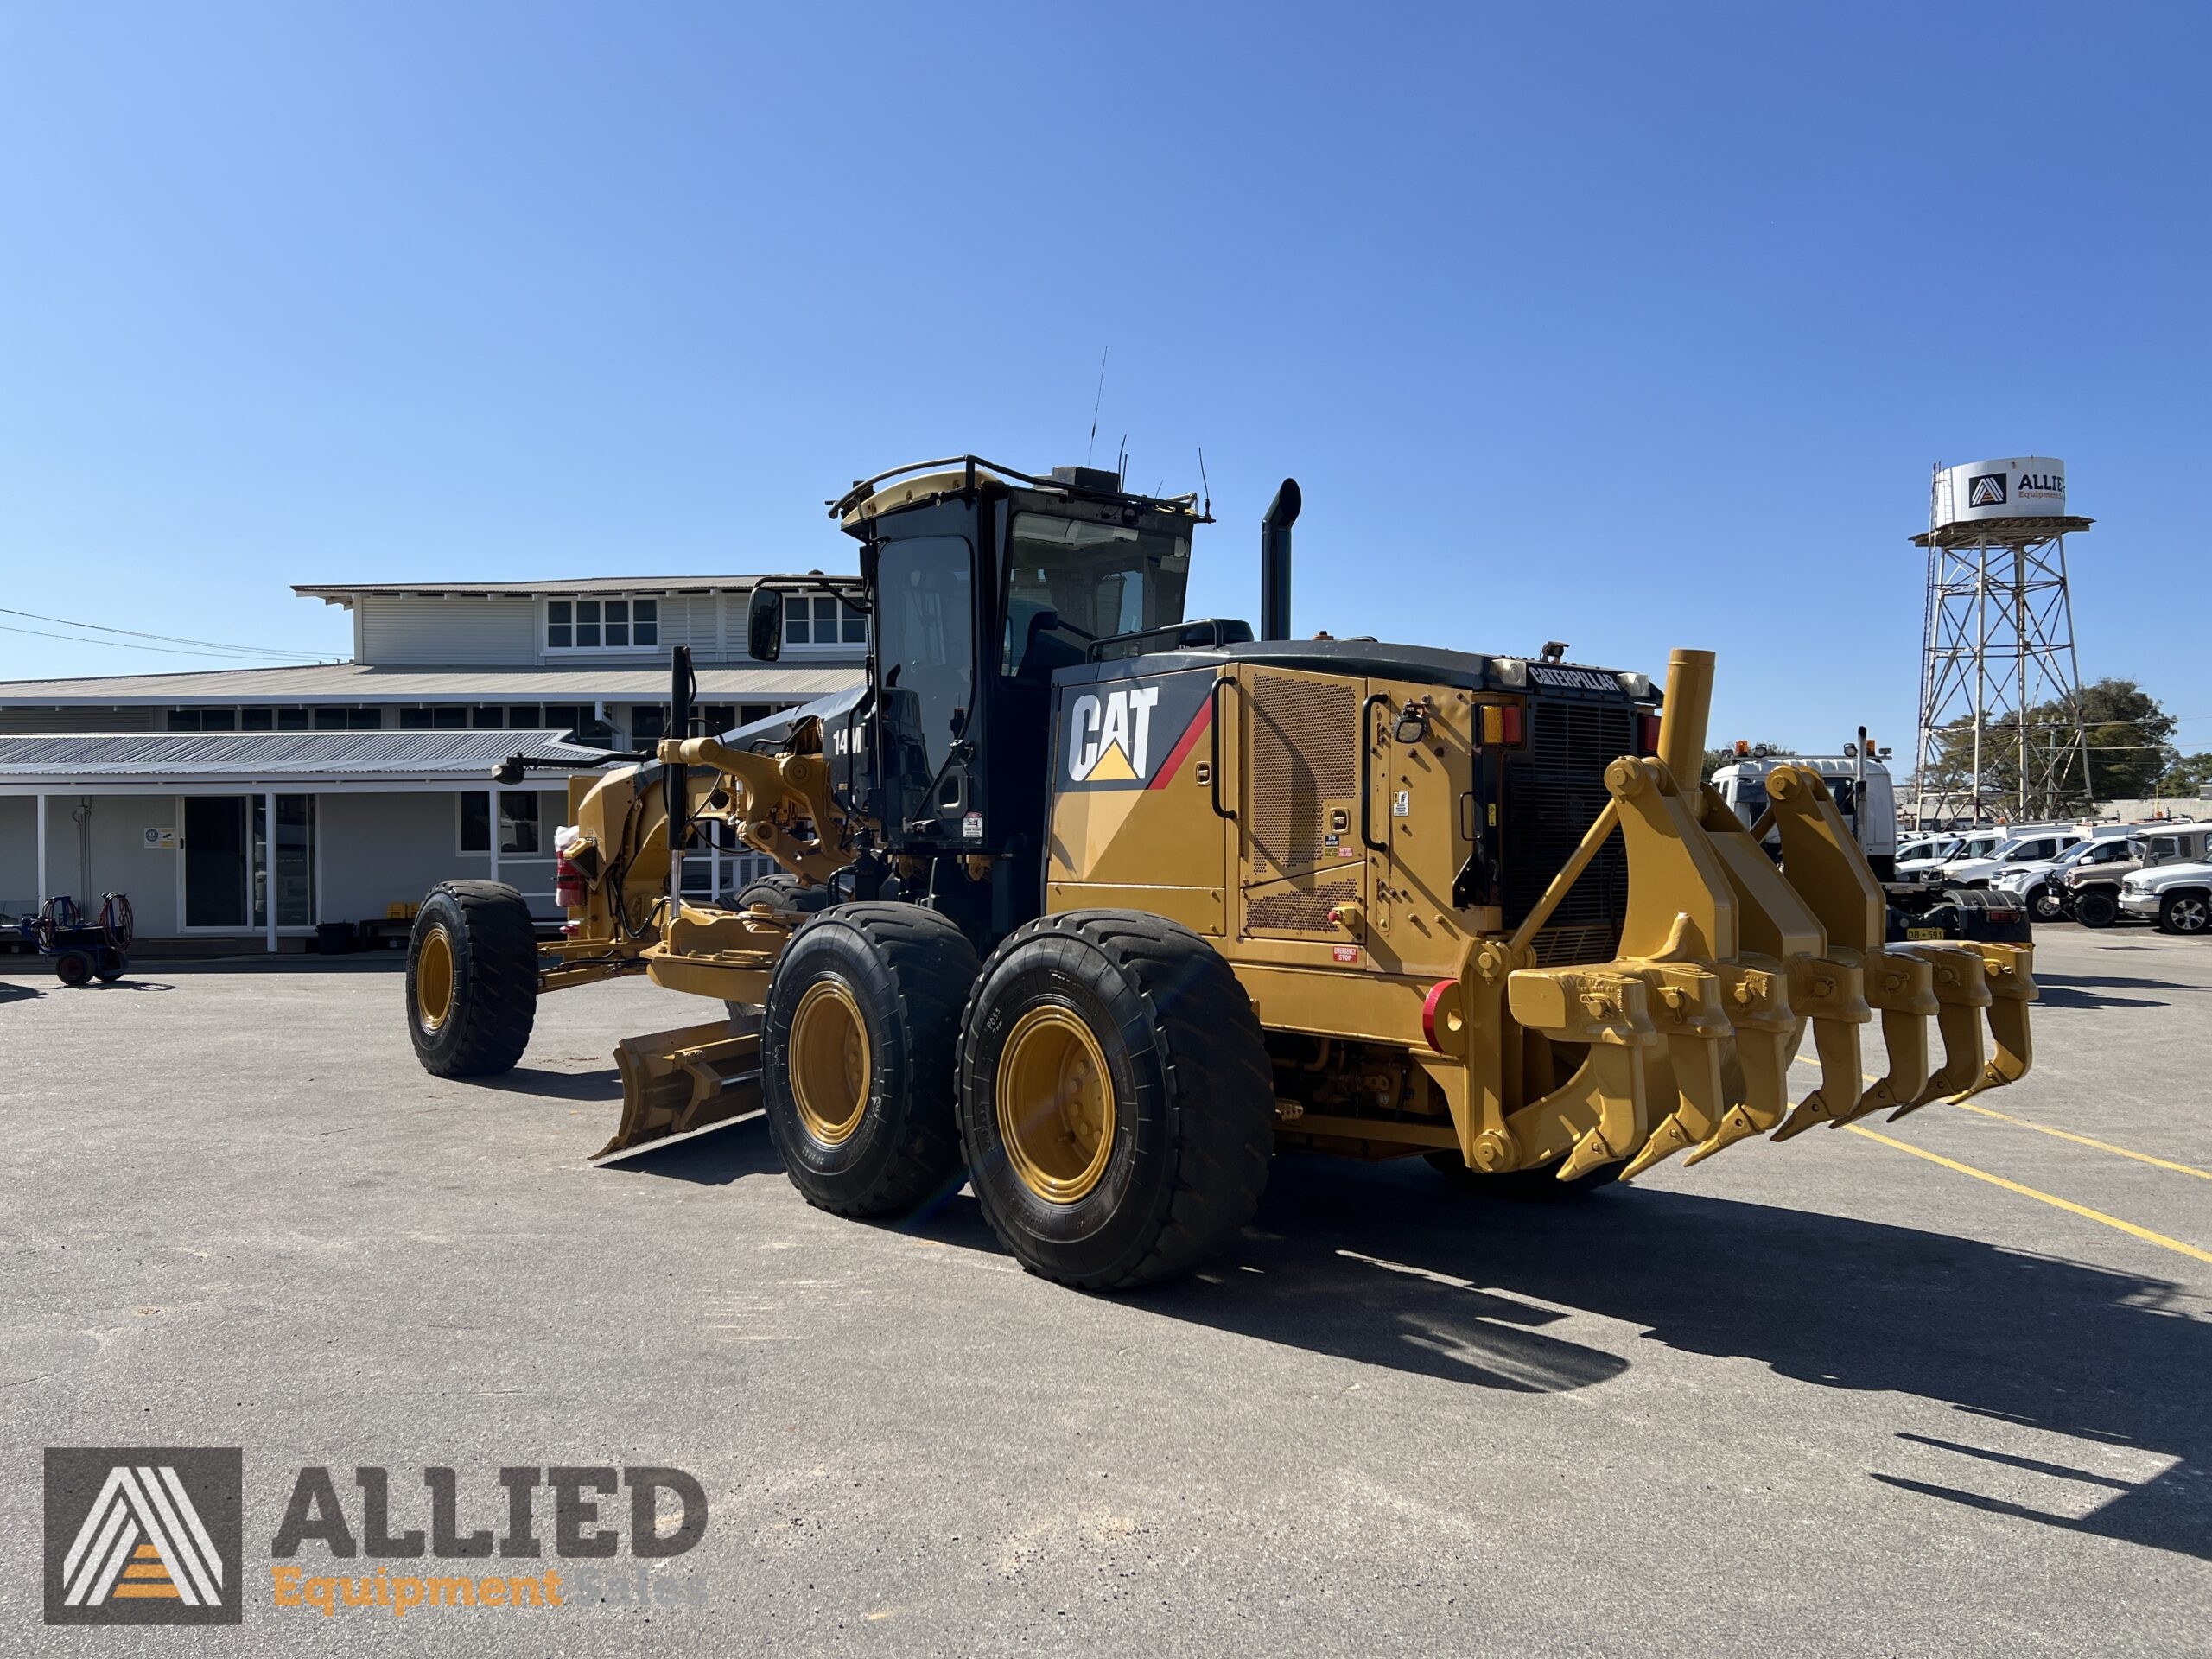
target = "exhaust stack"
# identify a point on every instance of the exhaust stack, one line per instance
(1274, 561)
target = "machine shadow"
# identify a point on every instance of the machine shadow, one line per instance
(2096, 991)
(729, 1154)
(1384, 1265)
(604, 1085)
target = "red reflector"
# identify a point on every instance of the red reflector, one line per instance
(1647, 727)
(1509, 722)
(1437, 993)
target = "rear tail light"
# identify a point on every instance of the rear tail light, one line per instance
(1647, 733)
(1502, 724)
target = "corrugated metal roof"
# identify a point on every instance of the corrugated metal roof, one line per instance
(358, 683)
(183, 757)
(345, 591)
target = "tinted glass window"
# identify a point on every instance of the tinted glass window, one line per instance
(926, 640)
(1099, 579)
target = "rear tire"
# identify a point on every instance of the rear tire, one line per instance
(857, 1048)
(1116, 1099)
(2096, 908)
(2047, 904)
(113, 965)
(73, 968)
(2185, 913)
(471, 979)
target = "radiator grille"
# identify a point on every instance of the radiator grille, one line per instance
(1554, 790)
(1300, 910)
(1304, 752)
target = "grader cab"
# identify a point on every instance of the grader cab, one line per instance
(1096, 908)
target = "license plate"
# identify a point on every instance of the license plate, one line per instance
(1923, 932)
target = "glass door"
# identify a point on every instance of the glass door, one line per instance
(216, 858)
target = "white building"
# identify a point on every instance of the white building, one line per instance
(344, 790)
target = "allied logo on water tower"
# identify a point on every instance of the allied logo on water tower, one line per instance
(1986, 490)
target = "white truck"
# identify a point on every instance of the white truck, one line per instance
(1857, 778)
(2178, 897)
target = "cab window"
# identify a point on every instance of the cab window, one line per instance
(1095, 579)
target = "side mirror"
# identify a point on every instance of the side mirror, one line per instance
(764, 625)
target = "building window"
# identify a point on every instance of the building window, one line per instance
(648, 724)
(819, 621)
(256, 720)
(518, 824)
(328, 718)
(720, 717)
(488, 717)
(434, 717)
(603, 624)
(291, 720)
(522, 717)
(184, 720)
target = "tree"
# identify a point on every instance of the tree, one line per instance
(2189, 775)
(2128, 751)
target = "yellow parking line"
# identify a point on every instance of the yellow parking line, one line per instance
(2102, 1146)
(2063, 1135)
(2068, 1204)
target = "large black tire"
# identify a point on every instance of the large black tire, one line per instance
(1178, 1164)
(471, 979)
(1526, 1185)
(887, 981)
(2047, 903)
(73, 968)
(114, 965)
(2188, 911)
(784, 891)
(2096, 908)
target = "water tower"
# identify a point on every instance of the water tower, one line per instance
(2001, 733)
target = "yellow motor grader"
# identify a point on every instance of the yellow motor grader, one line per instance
(1096, 908)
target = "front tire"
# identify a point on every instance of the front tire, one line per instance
(2096, 908)
(2185, 913)
(1116, 1099)
(858, 1043)
(2047, 904)
(471, 979)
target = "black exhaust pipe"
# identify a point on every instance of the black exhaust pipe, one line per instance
(1274, 561)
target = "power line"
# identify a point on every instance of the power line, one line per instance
(138, 633)
(159, 650)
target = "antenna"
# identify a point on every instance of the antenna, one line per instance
(1095, 402)
(1207, 510)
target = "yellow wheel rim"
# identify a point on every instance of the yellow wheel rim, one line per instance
(830, 1062)
(1055, 1101)
(434, 980)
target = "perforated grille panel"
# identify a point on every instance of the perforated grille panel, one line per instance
(1553, 790)
(1304, 752)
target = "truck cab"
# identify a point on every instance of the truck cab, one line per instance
(1863, 789)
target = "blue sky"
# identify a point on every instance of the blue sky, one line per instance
(1629, 326)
